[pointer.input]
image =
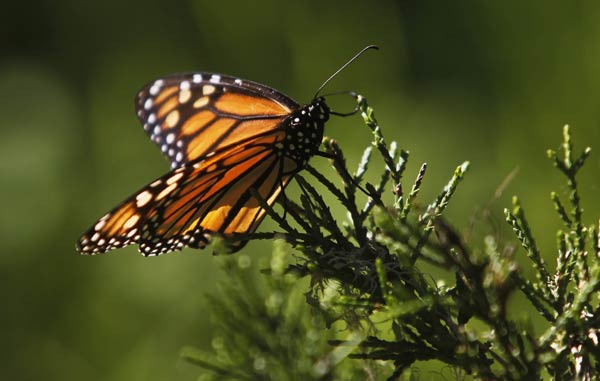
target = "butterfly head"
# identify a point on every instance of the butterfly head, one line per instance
(318, 109)
(304, 130)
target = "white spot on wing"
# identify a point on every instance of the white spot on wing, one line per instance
(208, 89)
(143, 198)
(215, 78)
(99, 225)
(155, 88)
(131, 221)
(197, 78)
(201, 102)
(148, 104)
(174, 178)
(166, 191)
(172, 119)
(185, 95)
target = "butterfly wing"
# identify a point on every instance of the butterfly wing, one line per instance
(188, 116)
(226, 138)
(191, 203)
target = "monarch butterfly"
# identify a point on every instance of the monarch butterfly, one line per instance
(226, 139)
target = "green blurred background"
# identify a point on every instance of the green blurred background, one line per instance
(489, 82)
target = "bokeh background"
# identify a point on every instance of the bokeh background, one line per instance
(489, 82)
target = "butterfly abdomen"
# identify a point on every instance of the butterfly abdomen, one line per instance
(304, 131)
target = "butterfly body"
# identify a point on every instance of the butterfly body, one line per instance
(226, 139)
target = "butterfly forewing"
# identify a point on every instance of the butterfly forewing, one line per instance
(191, 115)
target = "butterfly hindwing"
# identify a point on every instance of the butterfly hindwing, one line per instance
(195, 201)
(191, 115)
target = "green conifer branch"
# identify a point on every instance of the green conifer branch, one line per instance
(371, 312)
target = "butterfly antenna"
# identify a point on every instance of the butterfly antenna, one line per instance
(345, 66)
